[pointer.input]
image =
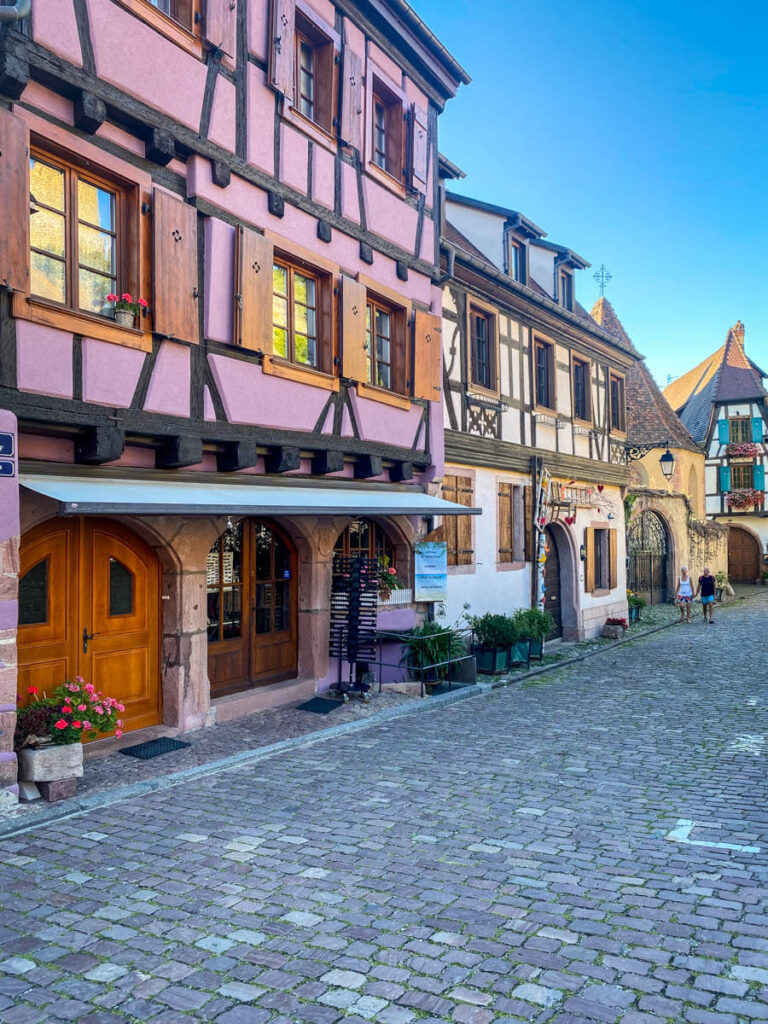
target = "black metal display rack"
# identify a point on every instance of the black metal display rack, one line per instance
(354, 601)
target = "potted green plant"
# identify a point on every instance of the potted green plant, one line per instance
(634, 603)
(428, 649)
(722, 586)
(494, 635)
(50, 730)
(534, 625)
(764, 577)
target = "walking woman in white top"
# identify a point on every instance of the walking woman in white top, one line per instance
(684, 596)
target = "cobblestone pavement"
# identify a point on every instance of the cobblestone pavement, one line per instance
(515, 857)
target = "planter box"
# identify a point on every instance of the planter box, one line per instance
(634, 615)
(49, 764)
(537, 650)
(492, 661)
(520, 653)
(613, 632)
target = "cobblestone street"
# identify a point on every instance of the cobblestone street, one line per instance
(590, 846)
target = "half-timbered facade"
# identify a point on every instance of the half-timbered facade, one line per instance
(534, 391)
(263, 177)
(723, 403)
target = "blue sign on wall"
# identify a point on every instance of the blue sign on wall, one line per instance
(6, 445)
(6, 468)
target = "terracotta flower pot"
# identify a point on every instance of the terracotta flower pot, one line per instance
(50, 763)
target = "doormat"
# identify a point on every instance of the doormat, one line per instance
(319, 705)
(154, 748)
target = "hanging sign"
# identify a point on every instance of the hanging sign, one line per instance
(7, 467)
(431, 571)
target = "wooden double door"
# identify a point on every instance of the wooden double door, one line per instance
(89, 597)
(252, 608)
(552, 595)
(743, 556)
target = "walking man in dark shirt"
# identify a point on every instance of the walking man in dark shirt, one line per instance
(707, 588)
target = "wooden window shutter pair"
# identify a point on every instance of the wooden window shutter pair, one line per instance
(281, 46)
(589, 561)
(419, 148)
(352, 99)
(254, 257)
(221, 25)
(14, 188)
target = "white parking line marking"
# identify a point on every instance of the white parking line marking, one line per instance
(682, 830)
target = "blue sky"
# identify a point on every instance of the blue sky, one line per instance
(636, 134)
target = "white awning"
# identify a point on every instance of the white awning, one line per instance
(94, 495)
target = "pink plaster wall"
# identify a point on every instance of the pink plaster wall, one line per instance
(378, 422)
(38, 96)
(261, 118)
(125, 139)
(209, 413)
(427, 251)
(46, 449)
(294, 149)
(389, 216)
(258, 29)
(324, 8)
(222, 128)
(169, 385)
(247, 202)
(219, 279)
(350, 202)
(384, 63)
(136, 458)
(43, 360)
(323, 176)
(54, 27)
(130, 54)
(250, 396)
(110, 372)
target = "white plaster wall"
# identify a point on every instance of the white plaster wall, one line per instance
(485, 588)
(483, 229)
(541, 267)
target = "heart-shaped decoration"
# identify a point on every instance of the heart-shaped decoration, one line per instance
(600, 488)
(570, 520)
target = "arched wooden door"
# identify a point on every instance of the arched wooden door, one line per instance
(743, 556)
(252, 608)
(552, 594)
(89, 605)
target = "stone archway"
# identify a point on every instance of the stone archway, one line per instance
(649, 550)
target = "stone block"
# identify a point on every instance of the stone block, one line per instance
(61, 789)
(28, 791)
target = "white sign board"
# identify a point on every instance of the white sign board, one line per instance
(431, 571)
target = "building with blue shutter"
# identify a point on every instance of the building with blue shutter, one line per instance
(722, 402)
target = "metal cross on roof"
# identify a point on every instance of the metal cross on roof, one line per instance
(603, 276)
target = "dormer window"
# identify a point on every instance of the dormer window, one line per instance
(517, 261)
(566, 290)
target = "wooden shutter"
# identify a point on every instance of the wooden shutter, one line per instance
(506, 522)
(589, 562)
(723, 431)
(758, 477)
(458, 529)
(613, 566)
(528, 533)
(757, 429)
(174, 306)
(418, 148)
(725, 479)
(221, 25)
(352, 94)
(253, 290)
(427, 356)
(282, 46)
(354, 351)
(14, 188)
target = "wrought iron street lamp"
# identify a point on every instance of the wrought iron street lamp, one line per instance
(639, 451)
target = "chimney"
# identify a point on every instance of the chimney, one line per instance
(738, 332)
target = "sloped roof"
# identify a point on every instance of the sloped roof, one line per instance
(680, 391)
(604, 314)
(650, 419)
(727, 375)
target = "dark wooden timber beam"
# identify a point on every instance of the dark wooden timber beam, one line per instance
(100, 444)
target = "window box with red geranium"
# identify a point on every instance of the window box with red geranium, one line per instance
(125, 308)
(744, 499)
(742, 449)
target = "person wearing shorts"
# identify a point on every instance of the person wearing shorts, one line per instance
(707, 588)
(684, 595)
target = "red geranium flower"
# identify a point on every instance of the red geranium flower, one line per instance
(32, 689)
(61, 724)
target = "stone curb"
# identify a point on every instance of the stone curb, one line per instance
(13, 826)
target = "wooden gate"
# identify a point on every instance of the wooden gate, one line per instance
(743, 556)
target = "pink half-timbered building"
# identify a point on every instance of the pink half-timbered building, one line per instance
(174, 486)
